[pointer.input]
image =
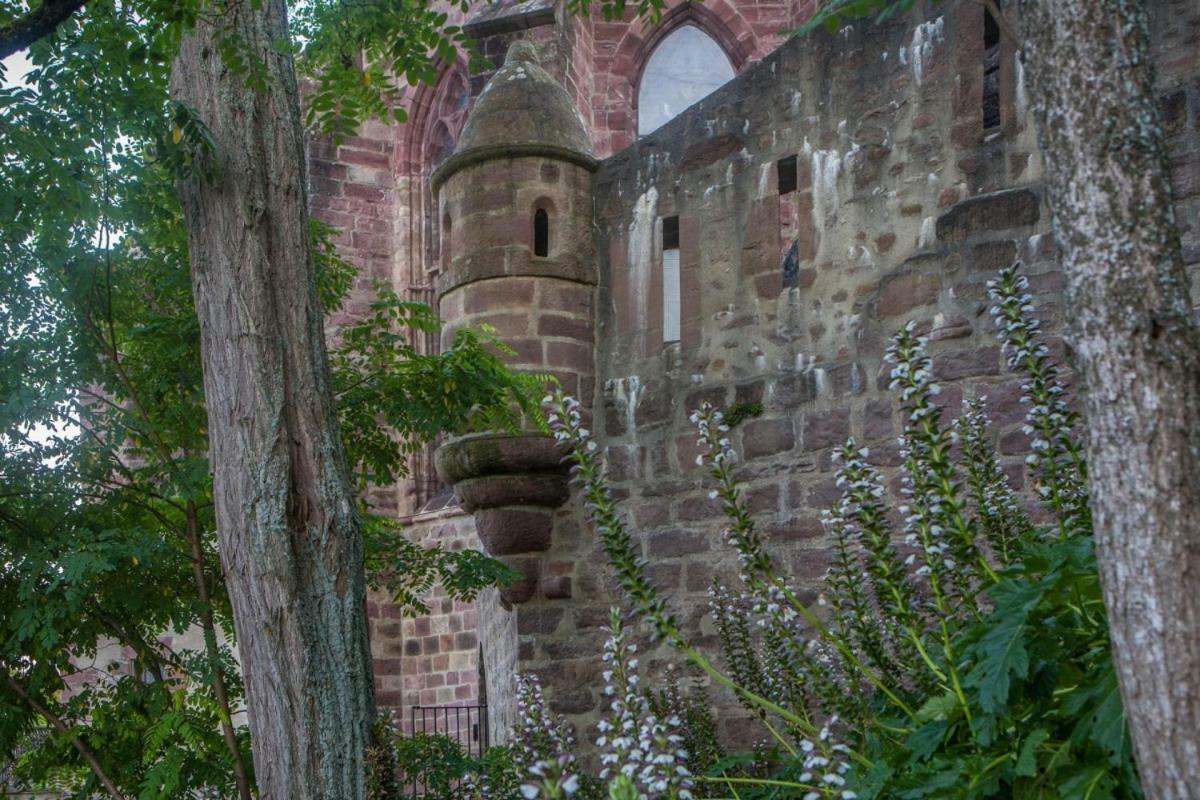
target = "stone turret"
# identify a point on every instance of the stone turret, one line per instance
(516, 213)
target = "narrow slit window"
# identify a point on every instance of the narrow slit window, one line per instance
(541, 233)
(444, 243)
(670, 279)
(991, 71)
(785, 170)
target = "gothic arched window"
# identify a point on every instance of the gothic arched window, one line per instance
(685, 66)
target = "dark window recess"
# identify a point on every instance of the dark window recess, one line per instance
(785, 169)
(791, 266)
(670, 233)
(991, 71)
(541, 233)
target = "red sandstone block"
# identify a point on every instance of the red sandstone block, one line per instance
(526, 352)
(765, 437)
(364, 143)
(967, 363)
(904, 292)
(568, 354)
(387, 666)
(676, 542)
(369, 193)
(571, 327)
(501, 294)
(506, 325)
(824, 429)
(365, 158)
(769, 285)
(326, 169)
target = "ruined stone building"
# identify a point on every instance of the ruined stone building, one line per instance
(699, 210)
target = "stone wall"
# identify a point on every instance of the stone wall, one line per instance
(431, 659)
(896, 204)
(903, 206)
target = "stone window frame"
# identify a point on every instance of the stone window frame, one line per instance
(700, 17)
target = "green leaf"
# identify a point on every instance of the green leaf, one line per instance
(1001, 653)
(924, 741)
(1027, 758)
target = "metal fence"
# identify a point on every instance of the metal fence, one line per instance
(466, 725)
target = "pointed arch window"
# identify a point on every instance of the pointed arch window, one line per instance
(685, 67)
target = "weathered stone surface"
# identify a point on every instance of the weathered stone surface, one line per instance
(877, 420)
(793, 390)
(675, 542)
(907, 225)
(557, 587)
(521, 591)
(995, 211)
(511, 530)
(536, 489)
(901, 293)
(766, 437)
(484, 454)
(967, 363)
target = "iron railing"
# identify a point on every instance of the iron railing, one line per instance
(466, 725)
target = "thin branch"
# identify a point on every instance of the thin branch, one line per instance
(36, 24)
(212, 651)
(61, 726)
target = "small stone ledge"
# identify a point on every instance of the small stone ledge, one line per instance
(511, 483)
(994, 211)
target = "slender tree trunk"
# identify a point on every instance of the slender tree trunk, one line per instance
(213, 652)
(1138, 352)
(289, 533)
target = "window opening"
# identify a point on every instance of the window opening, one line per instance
(785, 170)
(685, 67)
(541, 233)
(991, 71)
(670, 279)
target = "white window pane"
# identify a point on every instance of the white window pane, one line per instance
(670, 279)
(684, 68)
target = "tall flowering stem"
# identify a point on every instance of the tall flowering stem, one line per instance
(587, 468)
(935, 502)
(758, 571)
(854, 617)
(938, 508)
(861, 509)
(634, 741)
(1057, 458)
(1001, 517)
(542, 751)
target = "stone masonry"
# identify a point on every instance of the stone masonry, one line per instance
(839, 187)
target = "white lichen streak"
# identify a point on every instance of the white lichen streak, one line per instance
(925, 37)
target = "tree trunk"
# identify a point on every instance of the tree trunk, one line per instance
(290, 538)
(1138, 352)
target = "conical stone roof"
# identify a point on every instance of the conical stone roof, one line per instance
(521, 111)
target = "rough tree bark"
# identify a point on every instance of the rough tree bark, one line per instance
(1138, 351)
(290, 539)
